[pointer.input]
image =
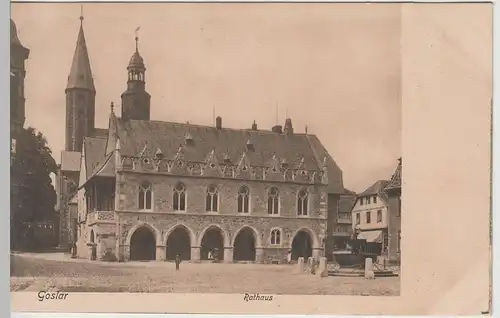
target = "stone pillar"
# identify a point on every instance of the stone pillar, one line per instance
(228, 254)
(317, 253)
(322, 270)
(259, 255)
(300, 265)
(124, 253)
(195, 254)
(161, 253)
(310, 262)
(369, 268)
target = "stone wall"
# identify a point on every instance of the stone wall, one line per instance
(394, 227)
(162, 224)
(163, 187)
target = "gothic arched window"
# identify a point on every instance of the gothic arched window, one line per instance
(179, 197)
(212, 199)
(145, 196)
(243, 199)
(276, 237)
(273, 201)
(302, 202)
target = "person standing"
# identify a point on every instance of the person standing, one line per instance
(289, 257)
(177, 261)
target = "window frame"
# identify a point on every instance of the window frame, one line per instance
(302, 203)
(244, 198)
(214, 199)
(275, 207)
(143, 192)
(177, 197)
(276, 239)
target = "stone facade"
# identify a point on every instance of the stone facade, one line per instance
(393, 191)
(113, 229)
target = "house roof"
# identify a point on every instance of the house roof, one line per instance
(395, 182)
(376, 189)
(70, 160)
(226, 143)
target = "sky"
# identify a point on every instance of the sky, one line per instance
(333, 67)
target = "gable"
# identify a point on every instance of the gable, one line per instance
(228, 145)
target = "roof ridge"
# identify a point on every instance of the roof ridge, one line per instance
(269, 131)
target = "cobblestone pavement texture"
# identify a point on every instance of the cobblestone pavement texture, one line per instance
(35, 272)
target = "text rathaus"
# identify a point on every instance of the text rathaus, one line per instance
(151, 190)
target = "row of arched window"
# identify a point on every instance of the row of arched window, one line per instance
(212, 199)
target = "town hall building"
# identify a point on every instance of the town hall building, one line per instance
(143, 189)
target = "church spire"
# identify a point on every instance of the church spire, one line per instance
(80, 75)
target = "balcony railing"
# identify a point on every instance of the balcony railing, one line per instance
(101, 216)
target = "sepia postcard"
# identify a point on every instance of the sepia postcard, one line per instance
(248, 158)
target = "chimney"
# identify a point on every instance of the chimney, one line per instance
(254, 125)
(218, 122)
(288, 126)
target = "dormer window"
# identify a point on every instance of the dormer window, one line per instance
(227, 159)
(250, 145)
(159, 154)
(189, 139)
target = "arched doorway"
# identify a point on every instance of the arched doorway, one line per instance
(179, 242)
(244, 245)
(212, 243)
(143, 245)
(302, 245)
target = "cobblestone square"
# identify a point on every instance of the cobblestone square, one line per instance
(57, 272)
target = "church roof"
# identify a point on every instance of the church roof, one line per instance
(395, 182)
(95, 159)
(80, 75)
(14, 39)
(136, 61)
(226, 143)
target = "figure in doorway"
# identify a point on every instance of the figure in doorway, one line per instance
(177, 261)
(210, 256)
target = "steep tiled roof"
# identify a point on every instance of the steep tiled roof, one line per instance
(70, 160)
(395, 182)
(227, 143)
(95, 148)
(376, 188)
(80, 75)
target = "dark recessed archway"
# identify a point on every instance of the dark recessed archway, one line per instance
(179, 242)
(143, 245)
(212, 243)
(302, 245)
(244, 245)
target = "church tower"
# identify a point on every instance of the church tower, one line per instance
(18, 56)
(135, 100)
(80, 96)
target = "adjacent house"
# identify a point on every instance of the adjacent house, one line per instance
(393, 190)
(370, 215)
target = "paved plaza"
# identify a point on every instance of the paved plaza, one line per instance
(35, 272)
